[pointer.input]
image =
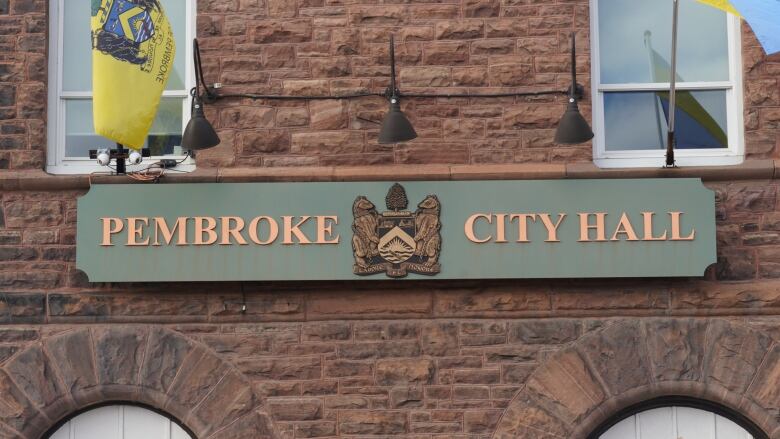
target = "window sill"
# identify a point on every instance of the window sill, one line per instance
(38, 180)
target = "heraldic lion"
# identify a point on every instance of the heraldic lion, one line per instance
(364, 228)
(428, 226)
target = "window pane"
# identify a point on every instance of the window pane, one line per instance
(635, 42)
(77, 46)
(637, 120)
(164, 137)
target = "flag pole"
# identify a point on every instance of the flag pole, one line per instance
(120, 159)
(670, 140)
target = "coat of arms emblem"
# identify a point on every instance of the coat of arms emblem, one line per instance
(127, 29)
(396, 242)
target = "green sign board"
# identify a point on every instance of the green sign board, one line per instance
(412, 230)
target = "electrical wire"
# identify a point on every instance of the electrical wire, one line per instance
(217, 96)
(294, 98)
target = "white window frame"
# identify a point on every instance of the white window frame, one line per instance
(733, 155)
(56, 161)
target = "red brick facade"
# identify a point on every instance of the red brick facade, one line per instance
(417, 360)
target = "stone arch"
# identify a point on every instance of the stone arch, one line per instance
(145, 364)
(581, 386)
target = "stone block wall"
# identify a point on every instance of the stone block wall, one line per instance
(414, 360)
(335, 47)
(418, 360)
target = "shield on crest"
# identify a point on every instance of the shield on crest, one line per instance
(397, 241)
(396, 237)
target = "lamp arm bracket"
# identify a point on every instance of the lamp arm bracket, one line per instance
(579, 91)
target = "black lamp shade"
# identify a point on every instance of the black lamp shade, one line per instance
(396, 127)
(199, 133)
(573, 128)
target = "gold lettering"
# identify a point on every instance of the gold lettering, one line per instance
(522, 224)
(676, 228)
(585, 227)
(161, 227)
(648, 224)
(325, 229)
(273, 230)
(205, 225)
(136, 231)
(552, 229)
(469, 227)
(500, 227)
(111, 226)
(290, 230)
(234, 232)
(624, 228)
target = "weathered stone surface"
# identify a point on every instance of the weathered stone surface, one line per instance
(406, 397)
(23, 214)
(256, 425)
(18, 413)
(346, 402)
(32, 372)
(734, 355)
(279, 31)
(164, 358)
(22, 308)
(459, 30)
(544, 331)
(200, 372)
(283, 368)
(231, 399)
(440, 339)
(568, 386)
(622, 344)
(393, 372)
(344, 368)
(238, 344)
(315, 429)
(527, 418)
(363, 351)
(372, 422)
(676, 348)
(118, 354)
(72, 355)
(482, 421)
(328, 114)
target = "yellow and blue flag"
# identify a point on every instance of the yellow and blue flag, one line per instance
(721, 4)
(763, 16)
(696, 128)
(133, 50)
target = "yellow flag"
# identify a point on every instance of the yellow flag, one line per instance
(722, 4)
(132, 56)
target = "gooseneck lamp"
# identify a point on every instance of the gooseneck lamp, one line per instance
(199, 134)
(396, 127)
(573, 128)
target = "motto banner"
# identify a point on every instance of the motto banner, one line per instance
(406, 230)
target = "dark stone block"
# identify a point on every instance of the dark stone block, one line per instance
(165, 357)
(31, 371)
(18, 254)
(72, 354)
(7, 95)
(22, 308)
(118, 353)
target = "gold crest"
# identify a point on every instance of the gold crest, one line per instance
(396, 242)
